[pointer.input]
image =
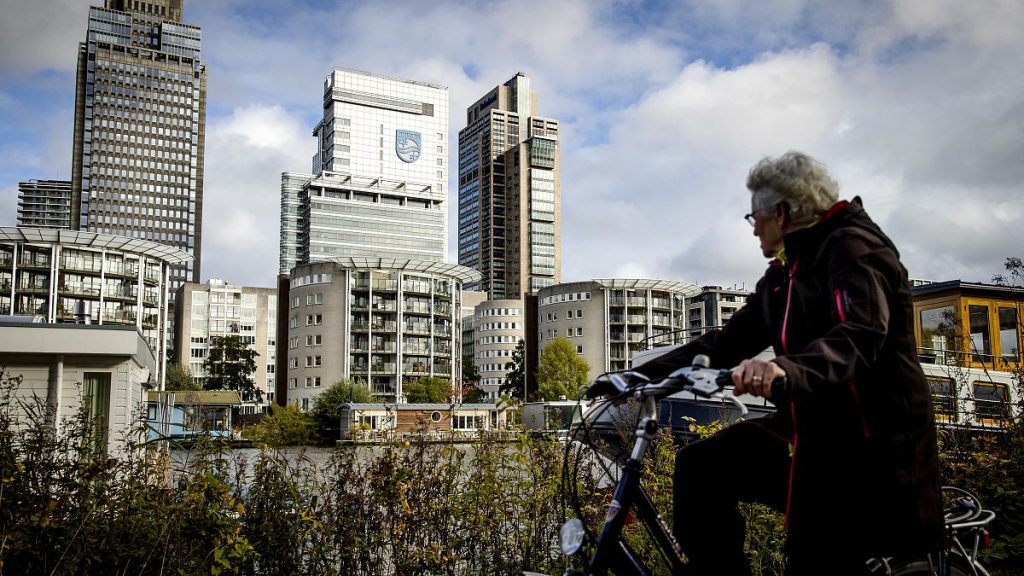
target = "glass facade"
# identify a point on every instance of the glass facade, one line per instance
(508, 179)
(377, 182)
(379, 321)
(139, 128)
(44, 203)
(81, 278)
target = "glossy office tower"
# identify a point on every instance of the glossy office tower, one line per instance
(509, 193)
(140, 115)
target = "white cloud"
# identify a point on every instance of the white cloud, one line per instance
(245, 155)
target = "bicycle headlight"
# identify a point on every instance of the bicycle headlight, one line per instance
(570, 537)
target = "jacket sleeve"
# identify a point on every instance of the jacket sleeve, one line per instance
(856, 272)
(744, 336)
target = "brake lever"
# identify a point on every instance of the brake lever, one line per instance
(728, 395)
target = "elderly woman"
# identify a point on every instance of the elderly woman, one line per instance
(850, 455)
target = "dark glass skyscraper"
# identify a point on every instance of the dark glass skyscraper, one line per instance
(140, 119)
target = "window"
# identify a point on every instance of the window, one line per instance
(579, 331)
(309, 299)
(943, 398)
(934, 328)
(319, 298)
(579, 349)
(568, 332)
(1009, 344)
(991, 402)
(981, 347)
(579, 313)
(96, 399)
(568, 314)
(309, 382)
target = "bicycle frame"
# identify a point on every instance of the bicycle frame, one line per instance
(612, 551)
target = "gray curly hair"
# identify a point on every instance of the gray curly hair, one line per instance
(796, 179)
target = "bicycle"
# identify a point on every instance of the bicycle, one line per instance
(966, 521)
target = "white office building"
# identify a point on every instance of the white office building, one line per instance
(376, 187)
(219, 309)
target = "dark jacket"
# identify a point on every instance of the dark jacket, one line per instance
(839, 316)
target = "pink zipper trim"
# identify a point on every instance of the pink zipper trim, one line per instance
(789, 299)
(839, 305)
(792, 465)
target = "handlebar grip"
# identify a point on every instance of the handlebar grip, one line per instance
(780, 392)
(603, 386)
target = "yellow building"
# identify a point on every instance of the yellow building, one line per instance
(968, 338)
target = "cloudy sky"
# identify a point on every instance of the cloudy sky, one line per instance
(917, 106)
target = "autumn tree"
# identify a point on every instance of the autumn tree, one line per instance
(561, 371)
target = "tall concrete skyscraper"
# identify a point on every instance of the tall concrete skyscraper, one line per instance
(509, 189)
(140, 116)
(377, 182)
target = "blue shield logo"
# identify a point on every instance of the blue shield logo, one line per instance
(408, 145)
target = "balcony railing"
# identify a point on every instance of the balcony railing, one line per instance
(384, 368)
(413, 286)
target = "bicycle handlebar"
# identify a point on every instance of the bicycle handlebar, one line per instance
(698, 378)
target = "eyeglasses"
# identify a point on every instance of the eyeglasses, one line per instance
(750, 218)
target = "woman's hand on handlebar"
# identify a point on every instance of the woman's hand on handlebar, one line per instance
(755, 377)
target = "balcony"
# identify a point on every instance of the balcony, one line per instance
(360, 346)
(385, 305)
(442, 308)
(415, 368)
(663, 303)
(387, 347)
(33, 285)
(385, 285)
(152, 275)
(442, 331)
(32, 260)
(417, 328)
(119, 317)
(443, 368)
(360, 305)
(79, 289)
(361, 285)
(360, 326)
(416, 287)
(383, 326)
(383, 368)
(123, 271)
(616, 337)
(417, 308)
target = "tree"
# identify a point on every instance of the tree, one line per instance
(327, 403)
(515, 380)
(282, 426)
(180, 378)
(561, 371)
(429, 390)
(470, 375)
(230, 366)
